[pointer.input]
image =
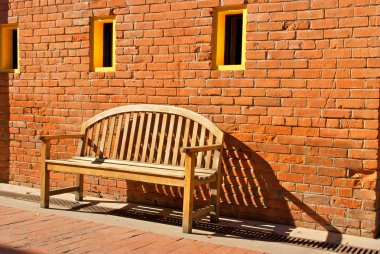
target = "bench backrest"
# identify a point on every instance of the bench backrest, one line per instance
(150, 133)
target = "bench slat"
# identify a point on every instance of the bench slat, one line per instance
(162, 138)
(106, 172)
(170, 138)
(208, 155)
(89, 142)
(201, 143)
(176, 150)
(117, 138)
(195, 134)
(156, 169)
(202, 212)
(110, 137)
(148, 165)
(146, 137)
(217, 155)
(63, 190)
(185, 140)
(139, 137)
(132, 136)
(125, 132)
(200, 174)
(104, 134)
(96, 139)
(154, 137)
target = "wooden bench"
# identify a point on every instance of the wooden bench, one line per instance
(147, 143)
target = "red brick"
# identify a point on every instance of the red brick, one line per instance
(281, 73)
(339, 12)
(353, 223)
(324, 23)
(353, 22)
(319, 180)
(309, 54)
(309, 34)
(289, 177)
(344, 202)
(345, 3)
(312, 14)
(283, 35)
(323, 4)
(336, 53)
(281, 54)
(316, 199)
(322, 63)
(270, 7)
(366, 31)
(292, 6)
(364, 194)
(270, 26)
(337, 33)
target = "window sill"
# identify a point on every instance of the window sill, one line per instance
(10, 71)
(104, 69)
(231, 67)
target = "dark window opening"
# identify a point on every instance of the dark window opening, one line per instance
(14, 49)
(107, 44)
(233, 39)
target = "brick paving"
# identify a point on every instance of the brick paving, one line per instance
(25, 232)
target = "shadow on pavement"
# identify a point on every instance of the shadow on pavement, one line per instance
(9, 250)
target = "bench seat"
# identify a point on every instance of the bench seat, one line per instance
(136, 171)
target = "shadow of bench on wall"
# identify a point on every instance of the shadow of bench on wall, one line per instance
(252, 190)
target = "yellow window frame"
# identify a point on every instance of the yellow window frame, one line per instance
(6, 48)
(97, 26)
(219, 23)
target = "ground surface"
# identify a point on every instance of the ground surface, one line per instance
(25, 228)
(23, 231)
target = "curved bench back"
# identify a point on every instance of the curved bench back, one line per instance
(150, 133)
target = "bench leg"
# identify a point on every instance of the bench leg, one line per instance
(44, 195)
(215, 198)
(79, 183)
(45, 174)
(187, 220)
(188, 194)
(214, 215)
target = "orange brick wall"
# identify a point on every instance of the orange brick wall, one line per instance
(301, 120)
(4, 110)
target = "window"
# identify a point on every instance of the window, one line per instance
(229, 38)
(103, 40)
(9, 48)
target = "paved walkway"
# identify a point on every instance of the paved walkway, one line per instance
(27, 232)
(25, 228)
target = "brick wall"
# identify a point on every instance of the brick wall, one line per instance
(301, 120)
(4, 110)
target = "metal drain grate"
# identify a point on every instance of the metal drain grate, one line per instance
(211, 227)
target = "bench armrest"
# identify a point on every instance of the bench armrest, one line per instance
(197, 149)
(63, 136)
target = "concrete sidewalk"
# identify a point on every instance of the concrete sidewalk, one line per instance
(26, 227)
